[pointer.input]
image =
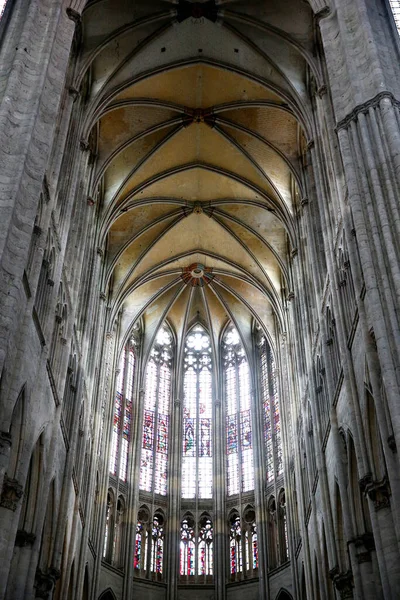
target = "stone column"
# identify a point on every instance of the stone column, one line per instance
(220, 521)
(259, 480)
(133, 493)
(174, 501)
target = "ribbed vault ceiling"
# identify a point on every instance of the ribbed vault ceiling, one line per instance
(199, 127)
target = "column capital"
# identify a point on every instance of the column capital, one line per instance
(11, 493)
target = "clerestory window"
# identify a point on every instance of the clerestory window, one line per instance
(121, 433)
(197, 416)
(155, 433)
(271, 409)
(239, 444)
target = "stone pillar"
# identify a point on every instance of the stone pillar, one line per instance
(259, 483)
(220, 519)
(172, 553)
(133, 495)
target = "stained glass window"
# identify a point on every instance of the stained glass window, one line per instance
(155, 435)
(205, 547)
(250, 540)
(197, 416)
(239, 443)
(187, 547)
(123, 413)
(157, 545)
(108, 532)
(271, 410)
(235, 545)
(196, 551)
(149, 545)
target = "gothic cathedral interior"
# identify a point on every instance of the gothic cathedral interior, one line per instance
(199, 299)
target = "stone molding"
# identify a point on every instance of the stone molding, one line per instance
(45, 582)
(343, 582)
(23, 538)
(379, 492)
(363, 108)
(322, 14)
(11, 493)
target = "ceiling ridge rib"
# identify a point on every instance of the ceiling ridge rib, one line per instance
(144, 159)
(250, 159)
(146, 251)
(129, 142)
(90, 57)
(118, 305)
(262, 139)
(258, 235)
(99, 103)
(142, 231)
(281, 34)
(273, 205)
(250, 252)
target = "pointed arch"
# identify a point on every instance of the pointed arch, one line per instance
(283, 595)
(32, 489)
(16, 432)
(108, 594)
(197, 414)
(156, 418)
(237, 391)
(48, 531)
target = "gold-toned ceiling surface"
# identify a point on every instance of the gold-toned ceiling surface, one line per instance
(199, 126)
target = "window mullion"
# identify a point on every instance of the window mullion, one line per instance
(122, 414)
(239, 438)
(155, 429)
(197, 488)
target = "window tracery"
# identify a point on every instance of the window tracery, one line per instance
(187, 547)
(109, 526)
(149, 544)
(239, 444)
(196, 549)
(271, 410)
(243, 545)
(154, 456)
(197, 416)
(121, 433)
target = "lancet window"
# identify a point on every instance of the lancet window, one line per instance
(122, 422)
(196, 549)
(155, 433)
(271, 410)
(197, 416)
(239, 445)
(149, 545)
(243, 545)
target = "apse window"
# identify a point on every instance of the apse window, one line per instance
(197, 416)
(239, 443)
(155, 433)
